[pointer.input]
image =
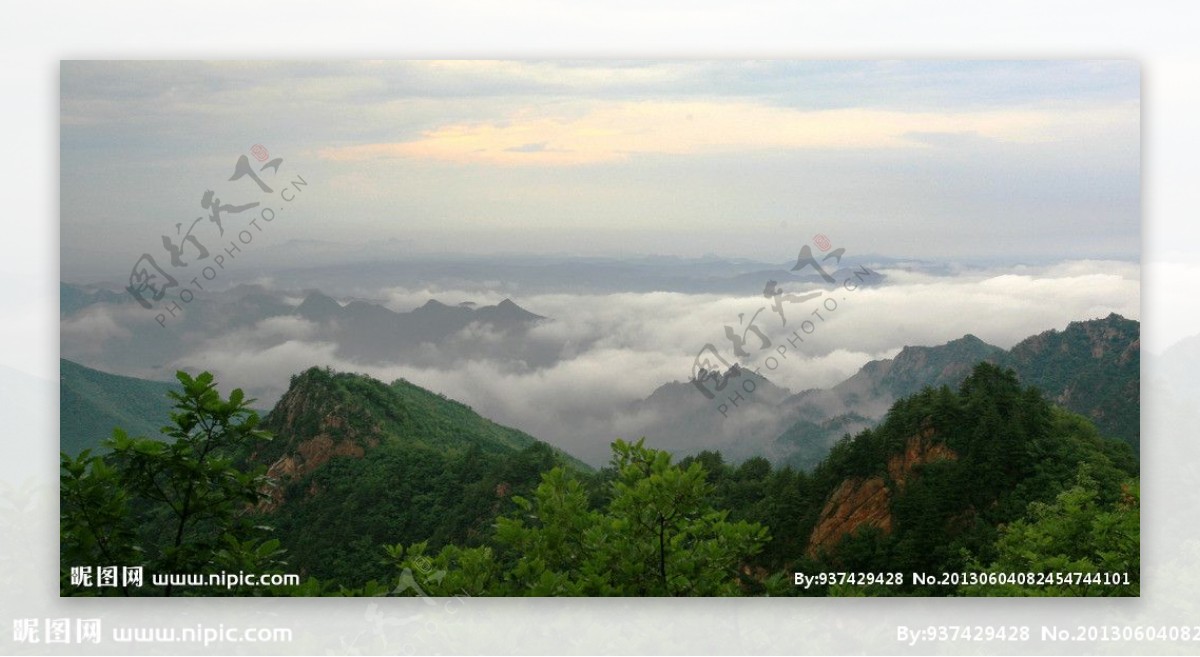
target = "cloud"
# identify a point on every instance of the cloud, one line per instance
(616, 130)
(1002, 156)
(263, 373)
(601, 353)
(288, 328)
(539, 147)
(93, 327)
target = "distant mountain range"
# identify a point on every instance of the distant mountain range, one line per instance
(342, 269)
(73, 298)
(1092, 368)
(364, 331)
(372, 332)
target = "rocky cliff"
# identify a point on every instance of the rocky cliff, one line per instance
(860, 503)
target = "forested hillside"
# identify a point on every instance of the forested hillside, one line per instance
(92, 403)
(931, 488)
(1092, 367)
(357, 463)
(367, 488)
(950, 482)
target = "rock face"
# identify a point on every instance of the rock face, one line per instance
(312, 454)
(855, 504)
(919, 450)
(302, 454)
(309, 455)
(861, 503)
(327, 417)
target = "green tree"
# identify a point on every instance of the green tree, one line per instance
(1076, 533)
(172, 506)
(659, 535)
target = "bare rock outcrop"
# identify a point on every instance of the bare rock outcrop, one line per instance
(860, 503)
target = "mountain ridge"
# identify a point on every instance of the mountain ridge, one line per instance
(809, 422)
(356, 463)
(946, 470)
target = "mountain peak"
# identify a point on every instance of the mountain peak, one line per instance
(968, 343)
(318, 305)
(433, 304)
(505, 312)
(1113, 319)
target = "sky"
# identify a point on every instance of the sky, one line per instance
(1004, 162)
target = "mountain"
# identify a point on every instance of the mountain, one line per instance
(876, 385)
(73, 298)
(356, 412)
(917, 367)
(943, 483)
(370, 332)
(678, 418)
(358, 463)
(504, 313)
(430, 321)
(798, 429)
(354, 463)
(1092, 368)
(807, 442)
(92, 403)
(946, 470)
(533, 275)
(319, 307)
(106, 330)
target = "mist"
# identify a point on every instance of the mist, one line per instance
(575, 378)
